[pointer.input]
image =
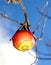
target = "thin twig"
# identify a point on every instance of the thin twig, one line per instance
(42, 13)
(5, 16)
(40, 58)
(44, 7)
(26, 17)
(43, 28)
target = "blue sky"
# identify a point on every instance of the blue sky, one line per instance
(15, 11)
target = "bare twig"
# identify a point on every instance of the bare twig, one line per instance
(42, 29)
(14, 1)
(26, 24)
(6, 16)
(43, 14)
(44, 7)
(40, 58)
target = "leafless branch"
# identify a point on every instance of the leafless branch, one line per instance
(25, 24)
(44, 7)
(6, 16)
(40, 58)
(42, 13)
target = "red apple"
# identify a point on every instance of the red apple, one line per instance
(23, 40)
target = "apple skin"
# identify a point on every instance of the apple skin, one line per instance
(23, 40)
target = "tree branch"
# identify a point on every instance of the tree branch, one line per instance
(5, 16)
(44, 7)
(42, 13)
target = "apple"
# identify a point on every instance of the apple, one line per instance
(23, 40)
